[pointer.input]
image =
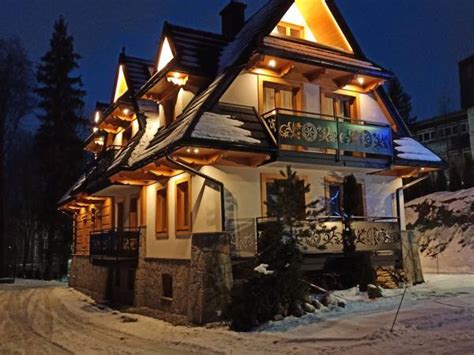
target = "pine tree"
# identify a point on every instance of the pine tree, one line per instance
(16, 101)
(60, 154)
(455, 182)
(401, 99)
(282, 290)
(351, 204)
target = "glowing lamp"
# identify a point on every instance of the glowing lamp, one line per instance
(176, 78)
(126, 111)
(361, 80)
(97, 117)
(196, 150)
(272, 63)
(95, 129)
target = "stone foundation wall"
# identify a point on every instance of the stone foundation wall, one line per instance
(88, 278)
(201, 286)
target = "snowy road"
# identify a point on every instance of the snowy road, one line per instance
(49, 318)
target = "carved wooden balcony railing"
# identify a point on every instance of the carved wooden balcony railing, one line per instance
(115, 244)
(328, 134)
(324, 235)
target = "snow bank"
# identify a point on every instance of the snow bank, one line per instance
(409, 149)
(444, 224)
(222, 127)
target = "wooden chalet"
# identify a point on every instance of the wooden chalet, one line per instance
(190, 146)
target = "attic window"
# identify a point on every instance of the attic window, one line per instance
(290, 30)
(166, 54)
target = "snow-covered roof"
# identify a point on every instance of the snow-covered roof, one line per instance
(222, 127)
(409, 149)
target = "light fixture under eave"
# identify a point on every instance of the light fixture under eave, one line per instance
(97, 117)
(361, 80)
(126, 111)
(95, 129)
(196, 150)
(272, 63)
(177, 78)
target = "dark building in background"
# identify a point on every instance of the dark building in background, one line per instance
(452, 135)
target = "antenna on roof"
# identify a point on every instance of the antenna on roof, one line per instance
(123, 50)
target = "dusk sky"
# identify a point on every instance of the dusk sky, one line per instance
(420, 40)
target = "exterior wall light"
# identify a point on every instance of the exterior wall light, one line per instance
(272, 63)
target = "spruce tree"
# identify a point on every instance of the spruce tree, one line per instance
(401, 99)
(60, 155)
(351, 205)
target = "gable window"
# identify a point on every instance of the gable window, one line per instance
(334, 198)
(161, 212)
(290, 30)
(279, 96)
(183, 206)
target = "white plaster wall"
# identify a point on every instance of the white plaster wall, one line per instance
(370, 109)
(183, 99)
(205, 215)
(243, 91)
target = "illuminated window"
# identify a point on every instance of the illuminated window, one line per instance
(183, 210)
(166, 55)
(338, 105)
(334, 198)
(290, 30)
(161, 211)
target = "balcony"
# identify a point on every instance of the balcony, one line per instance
(115, 245)
(331, 137)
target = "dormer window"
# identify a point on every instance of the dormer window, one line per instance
(290, 30)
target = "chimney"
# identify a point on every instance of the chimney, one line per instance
(233, 18)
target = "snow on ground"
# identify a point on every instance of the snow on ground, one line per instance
(444, 223)
(437, 317)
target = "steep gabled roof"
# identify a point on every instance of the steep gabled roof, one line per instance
(196, 51)
(137, 71)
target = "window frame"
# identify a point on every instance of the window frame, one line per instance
(328, 181)
(163, 231)
(270, 81)
(288, 28)
(183, 230)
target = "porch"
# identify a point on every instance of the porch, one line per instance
(321, 239)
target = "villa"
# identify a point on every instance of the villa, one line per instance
(192, 142)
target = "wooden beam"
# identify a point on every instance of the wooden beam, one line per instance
(344, 80)
(314, 74)
(201, 160)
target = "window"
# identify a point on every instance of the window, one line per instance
(334, 199)
(441, 132)
(167, 285)
(290, 30)
(454, 129)
(338, 105)
(270, 186)
(432, 135)
(183, 210)
(420, 137)
(426, 137)
(279, 96)
(447, 131)
(161, 211)
(133, 213)
(335, 195)
(463, 127)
